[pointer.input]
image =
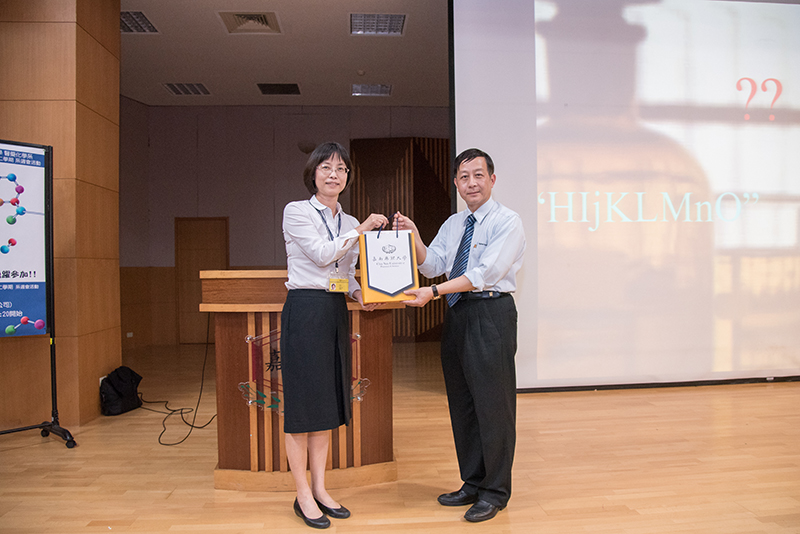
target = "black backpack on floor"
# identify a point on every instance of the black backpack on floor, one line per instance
(119, 391)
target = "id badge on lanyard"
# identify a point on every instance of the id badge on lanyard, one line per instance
(337, 282)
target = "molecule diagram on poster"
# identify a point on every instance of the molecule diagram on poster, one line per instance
(37, 324)
(17, 209)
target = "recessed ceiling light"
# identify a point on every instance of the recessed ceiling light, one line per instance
(135, 22)
(365, 89)
(376, 24)
(187, 89)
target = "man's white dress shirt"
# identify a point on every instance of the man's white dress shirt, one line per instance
(496, 252)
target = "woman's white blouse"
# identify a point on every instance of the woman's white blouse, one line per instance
(310, 253)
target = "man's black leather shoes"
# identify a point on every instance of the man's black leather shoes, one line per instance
(320, 522)
(481, 511)
(336, 513)
(457, 498)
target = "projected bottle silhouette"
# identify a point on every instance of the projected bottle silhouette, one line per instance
(619, 292)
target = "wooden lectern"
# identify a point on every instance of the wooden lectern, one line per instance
(250, 438)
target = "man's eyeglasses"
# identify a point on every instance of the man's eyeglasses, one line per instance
(326, 169)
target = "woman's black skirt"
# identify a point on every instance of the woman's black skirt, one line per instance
(315, 361)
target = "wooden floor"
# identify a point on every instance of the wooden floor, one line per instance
(720, 459)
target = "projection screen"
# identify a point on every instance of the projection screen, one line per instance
(652, 149)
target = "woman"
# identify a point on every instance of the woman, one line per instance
(321, 249)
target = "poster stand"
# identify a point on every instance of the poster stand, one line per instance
(39, 160)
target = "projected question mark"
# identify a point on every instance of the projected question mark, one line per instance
(753, 89)
(778, 91)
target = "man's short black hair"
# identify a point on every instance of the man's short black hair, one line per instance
(470, 154)
(320, 154)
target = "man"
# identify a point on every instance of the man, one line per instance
(479, 339)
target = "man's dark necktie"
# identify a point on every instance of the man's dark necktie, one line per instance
(462, 258)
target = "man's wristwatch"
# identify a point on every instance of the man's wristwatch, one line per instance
(436, 294)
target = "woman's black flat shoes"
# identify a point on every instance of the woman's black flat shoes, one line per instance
(336, 513)
(320, 522)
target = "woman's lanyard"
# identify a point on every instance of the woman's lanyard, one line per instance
(330, 234)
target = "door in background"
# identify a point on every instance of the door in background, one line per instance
(201, 244)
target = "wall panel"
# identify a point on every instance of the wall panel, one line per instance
(38, 11)
(65, 273)
(64, 202)
(164, 305)
(25, 402)
(133, 190)
(68, 377)
(97, 146)
(98, 354)
(101, 21)
(148, 306)
(97, 79)
(96, 222)
(135, 307)
(98, 295)
(38, 61)
(43, 123)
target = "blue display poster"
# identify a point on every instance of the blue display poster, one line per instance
(24, 189)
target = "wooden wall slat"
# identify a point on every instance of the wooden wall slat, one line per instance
(421, 163)
(266, 388)
(355, 321)
(253, 411)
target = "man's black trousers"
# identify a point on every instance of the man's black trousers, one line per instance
(479, 341)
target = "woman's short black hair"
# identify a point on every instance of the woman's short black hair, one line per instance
(470, 154)
(320, 154)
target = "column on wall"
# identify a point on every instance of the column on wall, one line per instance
(60, 68)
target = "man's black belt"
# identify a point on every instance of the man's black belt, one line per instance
(470, 295)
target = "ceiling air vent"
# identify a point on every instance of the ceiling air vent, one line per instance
(279, 88)
(374, 24)
(250, 22)
(186, 89)
(371, 90)
(135, 22)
